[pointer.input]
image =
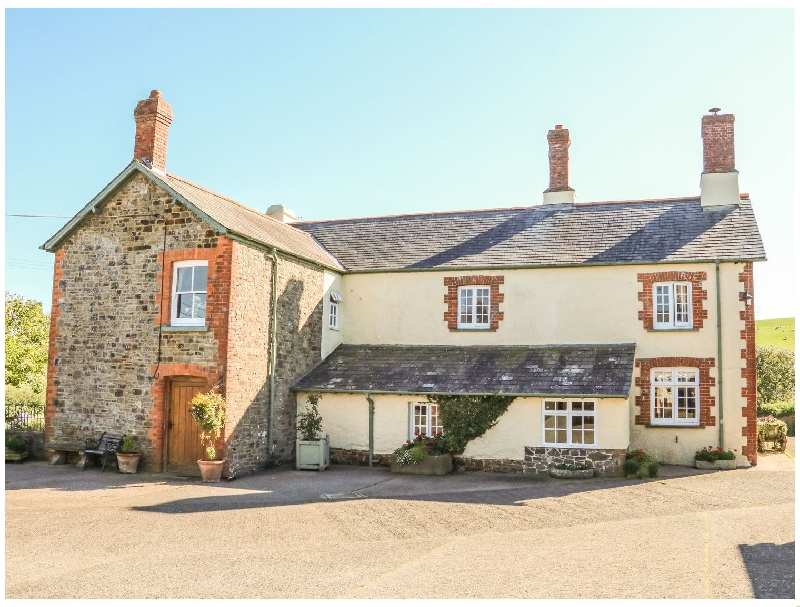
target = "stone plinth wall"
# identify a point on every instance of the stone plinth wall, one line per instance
(357, 457)
(606, 462)
(488, 465)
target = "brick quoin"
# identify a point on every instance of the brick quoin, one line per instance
(706, 383)
(52, 350)
(217, 307)
(748, 353)
(699, 314)
(495, 297)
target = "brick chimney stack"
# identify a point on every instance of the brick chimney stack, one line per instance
(559, 191)
(153, 117)
(719, 183)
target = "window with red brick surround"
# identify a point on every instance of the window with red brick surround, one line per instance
(451, 298)
(648, 279)
(707, 382)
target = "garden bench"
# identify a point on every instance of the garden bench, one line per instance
(105, 447)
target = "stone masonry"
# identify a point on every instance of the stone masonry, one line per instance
(606, 462)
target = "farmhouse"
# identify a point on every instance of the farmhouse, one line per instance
(613, 325)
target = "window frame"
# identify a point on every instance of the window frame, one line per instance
(673, 305)
(569, 413)
(675, 384)
(473, 307)
(333, 315)
(175, 321)
(430, 416)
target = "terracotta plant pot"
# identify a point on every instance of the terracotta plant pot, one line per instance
(127, 462)
(210, 470)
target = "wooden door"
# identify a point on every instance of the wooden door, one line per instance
(183, 436)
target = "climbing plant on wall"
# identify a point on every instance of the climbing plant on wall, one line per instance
(465, 418)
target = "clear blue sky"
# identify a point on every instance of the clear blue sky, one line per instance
(346, 113)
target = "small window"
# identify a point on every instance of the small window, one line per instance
(672, 305)
(333, 317)
(675, 399)
(189, 290)
(569, 423)
(473, 308)
(424, 420)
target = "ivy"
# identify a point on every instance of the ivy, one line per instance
(465, 418)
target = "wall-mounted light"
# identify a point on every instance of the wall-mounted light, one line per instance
(746, 297)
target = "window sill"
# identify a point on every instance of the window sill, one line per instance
(486, 330)
(334, 328)
(185, 328)
(674, 426)
(676, 330)
(550, 446)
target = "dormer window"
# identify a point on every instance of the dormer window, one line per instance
(190, 286)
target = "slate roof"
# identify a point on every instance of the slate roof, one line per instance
(597, 233)
(566, 370)
(226, 215)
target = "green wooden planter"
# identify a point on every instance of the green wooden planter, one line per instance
(312, 454)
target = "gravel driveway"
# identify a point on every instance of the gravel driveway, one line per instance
(356, 532)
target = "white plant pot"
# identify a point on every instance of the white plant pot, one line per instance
(312, 454)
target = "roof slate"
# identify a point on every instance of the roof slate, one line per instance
(598, 233)
(567, 370)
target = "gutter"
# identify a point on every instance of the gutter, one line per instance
(719, 360)
(273, 349)
(371, 427)
(514, 394)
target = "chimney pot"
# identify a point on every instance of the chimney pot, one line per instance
(153, 117)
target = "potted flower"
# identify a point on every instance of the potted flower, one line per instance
(772, 430)
(208, 412)
(709, 458)
(127, 456)
(639, 464)
(16, 448)
(312, 450)
(423, 455)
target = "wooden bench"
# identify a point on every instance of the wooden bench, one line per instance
(105, 447)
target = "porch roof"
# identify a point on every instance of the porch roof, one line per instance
(603, 370)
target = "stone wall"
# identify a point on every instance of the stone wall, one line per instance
(105, 330)
(606, 462)
(300, 289)
(488, 465)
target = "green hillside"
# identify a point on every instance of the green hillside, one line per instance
(778, 332)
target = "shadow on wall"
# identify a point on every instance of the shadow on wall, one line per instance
(770, 568)
(298, 351)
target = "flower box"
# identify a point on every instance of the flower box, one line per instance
(720, 464)
(14, 456)
(313, 454)
(563, 473)
(435, 465)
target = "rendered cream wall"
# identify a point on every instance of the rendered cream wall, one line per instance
(562, 306)
(346, 421)
(330, 337)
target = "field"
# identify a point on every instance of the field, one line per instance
(778, 332)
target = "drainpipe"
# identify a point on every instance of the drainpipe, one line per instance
(273, 349)
(371, 425)
(719, 360)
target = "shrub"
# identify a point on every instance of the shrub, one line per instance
(309, 422)
(776, 409)
(710, 454)
(638, 463)
(465, 417)
(774, 375)
(208, 412)
(17, 444)
(24, 407)
(127, 445)
(413, 452)
(773, 430)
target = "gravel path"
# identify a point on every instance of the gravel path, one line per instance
(353, 532)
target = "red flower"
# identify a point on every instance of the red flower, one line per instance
(416, 432)
(734, 450)
(408, 442)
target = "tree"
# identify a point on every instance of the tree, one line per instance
(27, 329)
(774, 375)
